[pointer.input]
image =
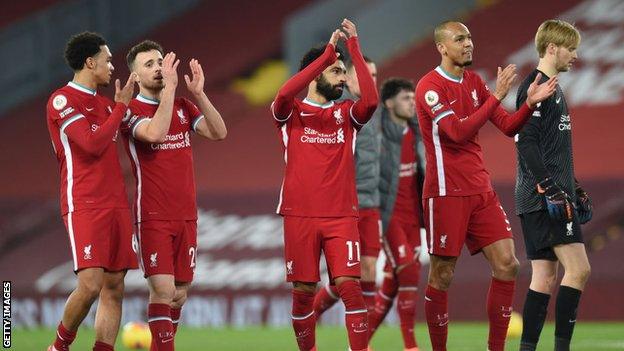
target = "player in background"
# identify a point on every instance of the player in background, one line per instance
(547, 194)
(460, 205)
(318, 198)
(367, 186)
(401, 180)
(83, 127)
(157, 133)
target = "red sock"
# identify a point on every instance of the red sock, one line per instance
(368, 292)
(436, 310)
(324, 299)
(356, 314)
(499, 300)
(102, 346)
(175, 318)
(304, 319)
(159, 319)
(64, 338)
(383, 302)
(406, 302)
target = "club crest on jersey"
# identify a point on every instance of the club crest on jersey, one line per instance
(87, 252)
(569, 229)
(475, 98)
(431, 97)
(182, 117)
(153, 257)
(59, 102)
(443, 241)
(289, 267)
(338, 116)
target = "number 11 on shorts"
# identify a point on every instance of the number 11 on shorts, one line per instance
(350, 250)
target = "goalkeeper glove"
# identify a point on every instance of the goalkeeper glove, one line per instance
(585, 208)
(558, 203)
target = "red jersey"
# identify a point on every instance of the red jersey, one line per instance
(406, 206)
(450, 112)
(165, 182)
(84, 141)
(319, 179)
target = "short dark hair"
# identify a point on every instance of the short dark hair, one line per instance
(349, 63)
(391, 87)
(144, 46)
(82, 46)
(315, 53)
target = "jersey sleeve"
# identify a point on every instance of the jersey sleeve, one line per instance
(131, 121)
(63, 110)
(193, 112)
(528, 139)
(509, 124)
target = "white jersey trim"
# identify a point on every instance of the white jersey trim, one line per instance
(199, 118)
(146, 100)
(316, 104)
(70, 121)
(300, 318)
(448, 76)
(136, 124)
(439, 117)
(72, 241)
(353, 117)
(277, 118)
(439, 160)
(431, 226)
(82, 88)
(69, 165)
(285, 141)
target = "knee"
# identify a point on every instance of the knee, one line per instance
(506, 268)
(179, 299)
(90, 288)
(544, 282)
(368, 270)
(581, 274)
(441, 277)
(114, 290)
(309, 288)
(163, 293)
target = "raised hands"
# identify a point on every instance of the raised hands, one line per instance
(540, 92)
(504, 79)
(170, 70)
(125, 94)
(349, 28)
(195, 85)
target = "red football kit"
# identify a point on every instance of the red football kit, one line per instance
(83, 127)
(165, 205)
(459, 202)
(318, 198)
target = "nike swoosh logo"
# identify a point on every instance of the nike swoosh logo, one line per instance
(452, 102)
(506, 315)
(427, 299)
(359, 331)
(351, 264)
(557, 101)
(572, 321)
(443, 324)
(89, 109)
(508, 229)
(167, 340)
(303, 114)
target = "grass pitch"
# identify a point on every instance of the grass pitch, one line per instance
(462, 337)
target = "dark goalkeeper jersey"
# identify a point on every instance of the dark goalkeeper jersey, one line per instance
(544, 148)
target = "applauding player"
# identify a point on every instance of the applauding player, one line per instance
(318, 199)
(547, 194)
(83, 127)
(157, 132)
(460, 205)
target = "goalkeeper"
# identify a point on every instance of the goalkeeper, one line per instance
(550, 202)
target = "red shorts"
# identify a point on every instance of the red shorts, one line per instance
(168, 247)
(401, 243)
(369, 226)
(305, 237)
(101, 238)
(477, 220)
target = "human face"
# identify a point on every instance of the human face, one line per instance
(352, 82)
(331, 82)
(457, 45)
(148, 67)
(564, 58)
(102, 66)
(402, 105)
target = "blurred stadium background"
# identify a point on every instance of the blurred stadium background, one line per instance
(247, 49)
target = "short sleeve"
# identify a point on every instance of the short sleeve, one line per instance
(132, 120)
(193, 111)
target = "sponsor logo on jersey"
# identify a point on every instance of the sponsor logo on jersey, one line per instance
(153, 259)
(443, 241)
(289, 267)
(59, 102)
(565, 123)
(174, 142)
(182, 117)
(312, 136)
(431, 97)
(87, 252)
(338, 116)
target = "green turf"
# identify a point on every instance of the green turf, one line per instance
(462, 336)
